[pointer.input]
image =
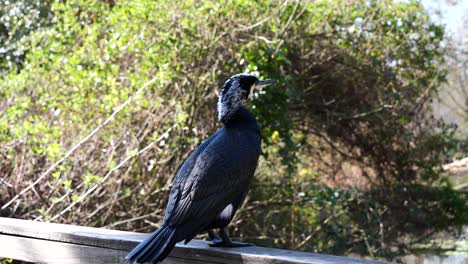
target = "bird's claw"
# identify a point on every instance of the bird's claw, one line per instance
(216, 243)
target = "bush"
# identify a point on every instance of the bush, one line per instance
(17, 20)
(354, 82)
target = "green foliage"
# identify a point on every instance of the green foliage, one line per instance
(310, 217)
(354, 81)
(17, 20)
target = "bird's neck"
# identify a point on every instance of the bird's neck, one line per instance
(241, 118)
(228, 106)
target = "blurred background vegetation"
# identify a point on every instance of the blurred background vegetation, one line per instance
(352, 151)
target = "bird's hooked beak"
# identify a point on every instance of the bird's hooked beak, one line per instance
(262, 84)
(259, 85)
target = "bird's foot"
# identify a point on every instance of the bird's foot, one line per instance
(216, 243)
(221, 243)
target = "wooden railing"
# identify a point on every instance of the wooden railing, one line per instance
(56, 243)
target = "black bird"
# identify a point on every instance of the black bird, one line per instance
(213, 181)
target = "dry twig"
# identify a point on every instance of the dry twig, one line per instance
(97, 129)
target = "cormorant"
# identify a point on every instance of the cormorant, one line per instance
(213, 181)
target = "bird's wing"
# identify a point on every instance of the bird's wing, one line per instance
(184, 174)
(219, 171)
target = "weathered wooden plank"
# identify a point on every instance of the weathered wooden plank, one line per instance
(82, 235)
(44, 251)
(71, 240)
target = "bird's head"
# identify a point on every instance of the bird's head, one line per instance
(236, 90)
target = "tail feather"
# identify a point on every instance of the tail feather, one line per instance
(154, 248)
(164, 250)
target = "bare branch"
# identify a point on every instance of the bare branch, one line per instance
(97, 129)
(114, 169)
